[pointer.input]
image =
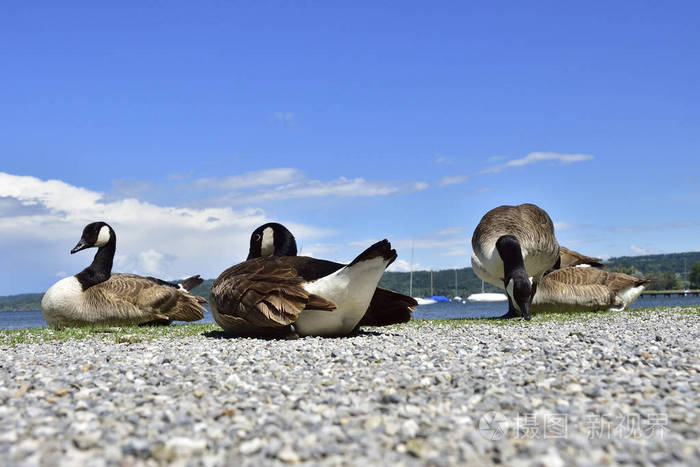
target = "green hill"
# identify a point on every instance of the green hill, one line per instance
(669, 271)
(22, 302)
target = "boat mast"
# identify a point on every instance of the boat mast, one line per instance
(410, 276)
(455, 282)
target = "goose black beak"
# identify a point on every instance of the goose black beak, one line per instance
(82, 244)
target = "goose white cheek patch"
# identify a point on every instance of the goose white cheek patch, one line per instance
(103, 237)
(267, 247)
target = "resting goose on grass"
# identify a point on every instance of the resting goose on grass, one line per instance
(386, 307)
(95, 296)
(586, 289)
(272, 294)
(570, 258)
(513, 247)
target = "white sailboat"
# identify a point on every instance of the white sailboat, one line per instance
(487, 296)
(425, 301)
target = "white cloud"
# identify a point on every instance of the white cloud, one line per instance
(453, 179)
(462, 251)
(152, 262)
(289, 183)
(635, 250)
(342, 187)
(564, 225)
(170, 241)
(126, 188)
(258, 178)
(401, 265)
(287, 117)
(536, 157)
(444, 160)
(647, 228)
(319, 250)
(450, 231)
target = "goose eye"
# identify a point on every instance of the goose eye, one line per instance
(257, 237)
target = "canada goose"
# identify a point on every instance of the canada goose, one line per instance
(513, 246)
(272, 239)
(386, 307)
(267, 295)
(95, 296)
(571, 258)
(586, 289)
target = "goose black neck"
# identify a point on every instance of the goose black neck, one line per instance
(285, 246)
(513, 264)
(101, 268)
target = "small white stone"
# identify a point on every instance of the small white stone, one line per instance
(288, 455)
(409, 429)
(251, 446)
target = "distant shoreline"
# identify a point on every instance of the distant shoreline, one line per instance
(660, 267)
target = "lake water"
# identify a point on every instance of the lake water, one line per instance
(34, 319)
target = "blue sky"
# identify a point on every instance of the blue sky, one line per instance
(185, 126)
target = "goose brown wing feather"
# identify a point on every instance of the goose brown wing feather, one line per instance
(568, 297)
(265, 292)
(155, 301)
(574, 258)
(615, 281)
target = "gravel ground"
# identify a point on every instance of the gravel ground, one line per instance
(614, 388)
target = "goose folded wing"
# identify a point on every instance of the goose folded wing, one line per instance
(388, 307)
(265, 292)
(144, 293)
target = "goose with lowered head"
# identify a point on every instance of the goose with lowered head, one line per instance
(96, 296)
(513, 247)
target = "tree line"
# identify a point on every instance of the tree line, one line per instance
(668, 272)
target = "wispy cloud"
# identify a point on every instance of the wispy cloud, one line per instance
(569, 226)
(635, 250)
(342, 187)
(288, 118)
(537, 157)
(267, 177)
(453, 180)
(122, 188)
(437, 245)
(653, 227)
(288, 183)
(450, 231)
(444, 160)
(564, 225)
(401, 265)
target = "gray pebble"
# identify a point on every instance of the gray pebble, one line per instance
(576, 391)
